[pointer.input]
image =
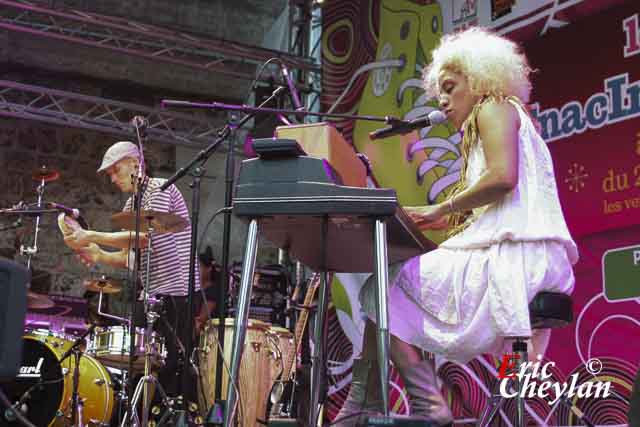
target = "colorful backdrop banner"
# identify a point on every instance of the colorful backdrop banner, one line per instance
(587, 99)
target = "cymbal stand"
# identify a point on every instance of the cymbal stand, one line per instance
(30, 251)
(107, 315)
(140, 183)
(142, 388)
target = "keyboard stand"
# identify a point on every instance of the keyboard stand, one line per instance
(318, 357)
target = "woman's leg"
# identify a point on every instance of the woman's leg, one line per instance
(364, 394)
(419, 377)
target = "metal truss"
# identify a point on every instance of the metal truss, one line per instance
(137, 39)
(305, 28)
(88, 112)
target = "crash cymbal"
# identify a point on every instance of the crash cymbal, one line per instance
(38, 301)
(46, 174)
(161, 222)
(104, 285)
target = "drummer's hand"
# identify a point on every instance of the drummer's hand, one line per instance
(431, 217)
(82, 237)
(89, 255)
(70, 240)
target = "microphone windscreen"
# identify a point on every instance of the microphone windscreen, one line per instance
(437, 117)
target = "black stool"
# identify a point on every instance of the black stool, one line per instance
(547, 310)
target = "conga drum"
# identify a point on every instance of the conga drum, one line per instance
(255, 375)
(282, 349)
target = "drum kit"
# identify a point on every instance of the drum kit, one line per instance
(81, 380)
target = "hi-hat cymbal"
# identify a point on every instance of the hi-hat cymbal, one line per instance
(38, 301)
(161, 222)
(46, 174)
(104, 285)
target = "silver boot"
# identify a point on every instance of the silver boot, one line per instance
(364, 395)
(424, 395)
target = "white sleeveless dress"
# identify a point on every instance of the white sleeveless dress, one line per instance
(463, 298)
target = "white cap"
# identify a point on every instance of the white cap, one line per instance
(117, 152)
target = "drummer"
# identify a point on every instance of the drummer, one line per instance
(169, 261)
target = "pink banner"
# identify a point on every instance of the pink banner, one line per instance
(587, 99)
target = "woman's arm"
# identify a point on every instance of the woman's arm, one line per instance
(498, 125)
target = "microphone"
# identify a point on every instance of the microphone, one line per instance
(69, 211)
(402, 127)
(295, 97)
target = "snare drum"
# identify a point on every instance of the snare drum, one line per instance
(45, 384)
(111, 344)
(254, 375)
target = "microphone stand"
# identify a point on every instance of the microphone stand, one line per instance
(76, 403)
(166, 103)
(197, 165)
(137, 206)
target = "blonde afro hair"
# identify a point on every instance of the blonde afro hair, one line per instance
(493, 65)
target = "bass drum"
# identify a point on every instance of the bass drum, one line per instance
(45, 385)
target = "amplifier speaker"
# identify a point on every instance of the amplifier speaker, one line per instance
(14, 279)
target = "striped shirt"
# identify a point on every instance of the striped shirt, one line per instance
(169, 270)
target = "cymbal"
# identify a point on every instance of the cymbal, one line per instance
(161, 222)
(104, 285)
(38, 301)
(46, 174)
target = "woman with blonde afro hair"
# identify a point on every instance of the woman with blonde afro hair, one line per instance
(508, 237)
(493, 65)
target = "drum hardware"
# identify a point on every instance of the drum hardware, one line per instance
(30, 251)
(103, 285)
(15, 224)
(77, 404)
(141, 390)
(43, 175)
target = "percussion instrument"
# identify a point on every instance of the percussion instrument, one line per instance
(281, 346)
(110, 345)
(103, 284)
(160, 222)
(45, 174)
(44, 385)
(254, 381)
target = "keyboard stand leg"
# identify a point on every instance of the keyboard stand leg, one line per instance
(318, 358)
(242, 317)
(382, 313)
